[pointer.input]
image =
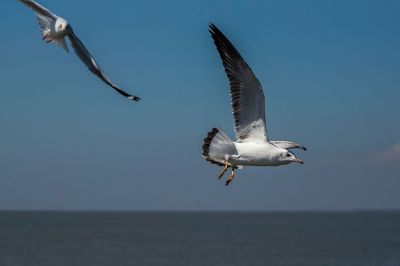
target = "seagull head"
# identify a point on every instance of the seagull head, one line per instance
(287, 157)
(61, 25)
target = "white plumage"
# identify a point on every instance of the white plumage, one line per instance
(252, 147)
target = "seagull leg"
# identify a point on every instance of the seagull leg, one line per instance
(231, 176)
(46, 36)
(224, 169)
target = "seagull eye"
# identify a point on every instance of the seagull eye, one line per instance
(288, 155)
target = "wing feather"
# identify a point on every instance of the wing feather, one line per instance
(39, 9)
(93, 66)
(44, 22)
(247, 96)
(284, 144)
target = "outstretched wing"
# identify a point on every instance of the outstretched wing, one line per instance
(247, 96)
(44, 22)
(40, 10)
(287, 145)
(91, 63)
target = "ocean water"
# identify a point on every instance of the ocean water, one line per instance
(199, 238)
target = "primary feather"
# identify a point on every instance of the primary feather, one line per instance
(247, 96)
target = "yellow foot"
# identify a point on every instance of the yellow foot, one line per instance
(230, 178)
(224, 170)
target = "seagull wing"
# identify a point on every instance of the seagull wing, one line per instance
(40, 10)
(44, 22)
(247, 96)
(284, 144)
(92, 65)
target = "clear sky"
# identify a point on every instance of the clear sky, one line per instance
(330, 72)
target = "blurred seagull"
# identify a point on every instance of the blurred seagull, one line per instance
(55, 29)
(252, 147)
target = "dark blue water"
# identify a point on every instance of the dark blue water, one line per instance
(68, 239)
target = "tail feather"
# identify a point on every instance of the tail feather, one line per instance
(217, 146)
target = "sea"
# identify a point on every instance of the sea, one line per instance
(362, 238)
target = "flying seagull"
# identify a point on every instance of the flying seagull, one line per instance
(55, 29)
(252, 147)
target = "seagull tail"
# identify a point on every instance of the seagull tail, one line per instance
(217, 147)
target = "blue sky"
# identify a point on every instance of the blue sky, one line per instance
(329, 71)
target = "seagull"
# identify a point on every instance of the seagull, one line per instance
(55, 29)
(252, 147)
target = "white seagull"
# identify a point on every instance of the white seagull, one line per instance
(55, 29)
(252, 148)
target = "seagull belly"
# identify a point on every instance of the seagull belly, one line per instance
(254, 154)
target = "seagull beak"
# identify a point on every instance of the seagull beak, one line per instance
(297, 160)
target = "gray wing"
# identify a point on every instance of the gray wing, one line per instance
(39, 9)
(287, 145)
(247, 96)
(92, 65)
(44, 22)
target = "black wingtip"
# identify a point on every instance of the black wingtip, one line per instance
(213, 29)
(134, 98)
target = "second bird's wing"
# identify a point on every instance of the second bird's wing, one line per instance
(92, 65)
(39, 9)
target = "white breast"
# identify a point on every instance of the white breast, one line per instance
(256, 154)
